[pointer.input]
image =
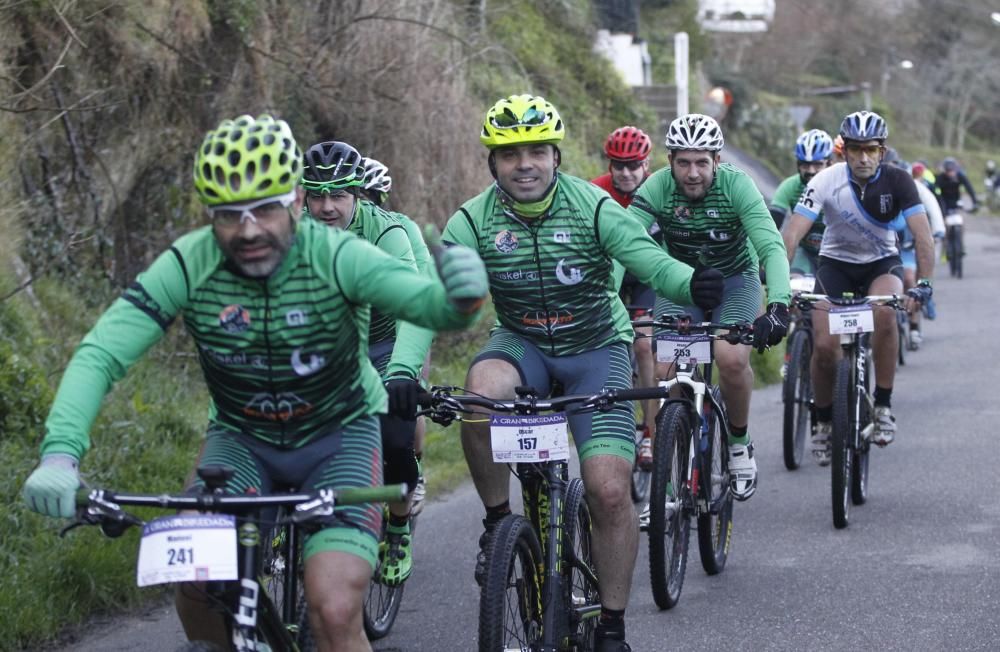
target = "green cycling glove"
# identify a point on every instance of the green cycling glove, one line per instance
(51, 488)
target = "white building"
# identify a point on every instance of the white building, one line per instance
(735, 15)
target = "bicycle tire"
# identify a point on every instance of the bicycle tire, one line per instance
(580, 591)
(510, 602)
(669, 533)
(859, 472)
(797, 395)
(273, 578)
(382, 601)
(902, 337)
(955, 251)
(959, 249)
(842, 462)
(715, 530)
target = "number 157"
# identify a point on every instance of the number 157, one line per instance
(528, 443)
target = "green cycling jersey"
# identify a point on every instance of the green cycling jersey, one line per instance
(551, 276)
(285, 358)
(731, 222)
(785, 197)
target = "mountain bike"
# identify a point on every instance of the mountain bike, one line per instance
(236, 545)
(690, 457)
(954, 247)
(383, 601)
(796, 389)
(853, 403)
(537, 596)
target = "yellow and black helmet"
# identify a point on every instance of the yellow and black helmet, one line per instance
(522, 120)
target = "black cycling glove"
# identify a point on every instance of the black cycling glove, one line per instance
(769, 328)
(402, 393)
(922, 292)
(707, 285)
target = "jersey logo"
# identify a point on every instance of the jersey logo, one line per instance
(885, 204)
(562, 237)
(711, 212)
(295, 317)
(548, 322)
(505, 242)
(719, 236)
(316, 362)
(575, 274)
(234, 319)
(281, 407)
(682, 213)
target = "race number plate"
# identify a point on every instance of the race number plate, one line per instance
(803, 283)
(685, 349)
(953, 219)
(187, 548)
(851, 319)
(537, 438)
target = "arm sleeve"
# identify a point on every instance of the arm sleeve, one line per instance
(968, 187)
(368, 275)
(132, 324)
(764, 237)
(412, 342)
(625, 239)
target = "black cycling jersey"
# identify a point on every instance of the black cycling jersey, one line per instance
(950, 189)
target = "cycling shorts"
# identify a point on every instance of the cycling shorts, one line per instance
(741, 301)
(609, 367)
(805, 262)
(639, 299)
(350, 456)
(834, 277)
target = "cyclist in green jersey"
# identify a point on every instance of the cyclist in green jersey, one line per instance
(813, 152)
(714, 210)
(401, 380)
(278, 310)
(549, 241)
(333, 178)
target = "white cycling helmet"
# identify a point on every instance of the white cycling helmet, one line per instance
(376, 176)
(864, 125)
(694, 131)
(813, 146)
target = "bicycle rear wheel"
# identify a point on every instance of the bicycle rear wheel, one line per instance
(859, 472)
(842, 463)
(797, 397)
(582, 596)
(669, 518)
(510, 603)
(640, 477)
(274, 576)
(715, 527)
(903, 336)
(955, 250)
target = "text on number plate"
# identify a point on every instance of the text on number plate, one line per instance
(536, 438)
(851, 319)
(693, 349)
(187, 548)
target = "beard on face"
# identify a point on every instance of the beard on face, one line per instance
(258, 268)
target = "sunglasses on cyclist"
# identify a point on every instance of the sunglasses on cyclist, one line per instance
(629, 165)
(530, 118)
(233, 214)
(871, 150)
(333, 193)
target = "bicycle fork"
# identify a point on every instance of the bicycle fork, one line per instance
(544, 496)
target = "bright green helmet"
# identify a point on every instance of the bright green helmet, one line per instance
(522, 120)
(246, 159)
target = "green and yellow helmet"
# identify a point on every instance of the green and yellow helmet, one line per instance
(522, 120)
(246, 159)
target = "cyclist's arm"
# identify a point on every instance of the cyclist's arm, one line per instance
(968, 187)
(764, 237)
(121, 336)
(933, 210)
(796, 227)
(367, 275)
(412, 341)
(625, 239)
(784, 197)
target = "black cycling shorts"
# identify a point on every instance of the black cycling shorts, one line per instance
(834, 277)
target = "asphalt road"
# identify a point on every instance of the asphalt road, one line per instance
(917, 569)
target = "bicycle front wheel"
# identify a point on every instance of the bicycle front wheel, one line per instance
(715, 526)
(842, 462)
(797, 397)
(582, 596)
(510, 611)
(903, 336)
(381, 606)
(669, 518)
(859, 470)
(640, 477)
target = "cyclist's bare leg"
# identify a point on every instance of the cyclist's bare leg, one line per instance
(885, 339)
(418, 437)
(496, 379)
(643, 347)
(826, 355)
(336, 583)
(909, 281)
(200, 621)
(615, 536)
(735, 376)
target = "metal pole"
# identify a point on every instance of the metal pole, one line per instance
(681, 71)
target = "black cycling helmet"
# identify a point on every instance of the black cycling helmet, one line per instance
(332, 165)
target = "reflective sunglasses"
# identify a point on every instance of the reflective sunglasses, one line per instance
(871, 150)
(630, 165)
(530, 118)
(233, 214)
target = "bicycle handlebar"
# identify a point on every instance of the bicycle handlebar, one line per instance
(890, 300)
(740, 333)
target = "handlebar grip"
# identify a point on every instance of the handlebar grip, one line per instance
(359, 495)
(640, 393)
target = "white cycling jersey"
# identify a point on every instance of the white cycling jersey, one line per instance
(859, 217)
